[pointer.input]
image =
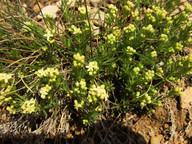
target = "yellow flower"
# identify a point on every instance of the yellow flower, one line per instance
(82, 10)
(49, 34)
(44, 91)
(5, 77)
(75, 30)
(29, 106)
(78, 105)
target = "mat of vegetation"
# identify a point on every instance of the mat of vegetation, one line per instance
(83, 68)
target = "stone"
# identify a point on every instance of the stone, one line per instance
(95, 30)
(154, 140)
(97, 16)
(186, 98)
(94, 2)
(50, 10)
(36, 7)
(70, 3)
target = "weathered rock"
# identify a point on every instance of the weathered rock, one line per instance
(94, 2)
(186, 98)
(97, 16)
(49, 10)
(95, 30)
(36, 8)
(70, 3)
(154, 140)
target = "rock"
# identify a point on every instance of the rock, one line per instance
(161, 138)
(50, 10)
(94, 2)
(36, 7)
(175, 12)
(154, 140)
(181, 7)
(70, 3)
(95, 30)
(58, 3)
(186, 98)
(97, 16)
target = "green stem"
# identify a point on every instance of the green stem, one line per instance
(89, 27)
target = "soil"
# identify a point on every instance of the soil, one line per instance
(169, 124)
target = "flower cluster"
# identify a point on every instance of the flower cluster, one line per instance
(129, 6)
(116, 32)
(44, 91)
(169, 21)
(185, 61)
(160, 71)
(3, 94)
(111, 39)
(164, 38)
(178, 46)
(136, 70)
(183, 17)
(87, 25)
(44, 48)
(130, 28)
(149, 15)
(177, 91)
(92, 68)
(188, 8)
(11, 109)
(130, 50)
(29, 106)
(49, 35)
(96, 93)
(153, 54)
(78, 60)
(149, 29)
(135, 15)
(159, 12)
(78, 105)
(112, 12)
(81, 87)
(82, 10)
(149, 75)
(5, 77)
(146, 100)
(49, 72)
(74, 30)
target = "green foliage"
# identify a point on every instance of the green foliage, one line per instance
(140, 48)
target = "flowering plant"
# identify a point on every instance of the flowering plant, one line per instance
(141, 46)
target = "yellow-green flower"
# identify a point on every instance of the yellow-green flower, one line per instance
(78, 60)
(73, 29)
(78, 105)
(92, 68)
(82, 10)
(5, 77)
(44, 91)
(49, 35)
(29, 106)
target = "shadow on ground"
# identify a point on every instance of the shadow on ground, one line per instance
(104, 132)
